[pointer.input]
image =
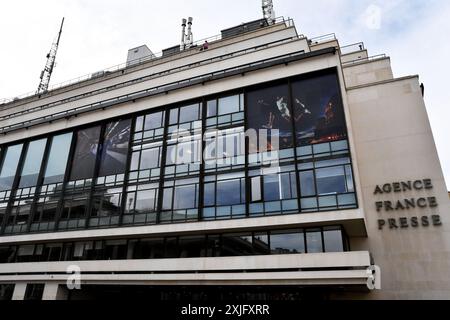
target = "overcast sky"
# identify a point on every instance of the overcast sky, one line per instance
(98, 33)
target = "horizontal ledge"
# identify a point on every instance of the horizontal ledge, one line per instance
(357, 259)
(353, 221)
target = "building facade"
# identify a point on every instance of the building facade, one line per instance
(268, 164)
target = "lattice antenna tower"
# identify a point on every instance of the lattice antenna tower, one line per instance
(50, 64)
(268, 11)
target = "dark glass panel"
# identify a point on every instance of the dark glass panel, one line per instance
(83, 163)
(332, 238)
(287, 242)
(57, 159)
(314, 241)
(237, 245)
(32, 164)
(268, 110)
(115, 148)
(192, 247)
(319, 114)
(9, 166)
(228, 192)
(307, 184)
(331, 180)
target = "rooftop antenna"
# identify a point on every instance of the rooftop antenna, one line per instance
(187, 39)
(183, 34)
(51, 57)
(268, 12)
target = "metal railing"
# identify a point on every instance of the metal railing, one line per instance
(133, 63)
(201, 79)
(323, 38)
(149, 77)
(371, 58)
(354, 47)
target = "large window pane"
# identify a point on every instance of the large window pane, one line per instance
(32, 165)
(332, 238)
(9, 166)
(314, 241)
(115, 148)
(318, 110)
(287, 242)
(228, 192)
(331, 180)
(307, 184)
(185, 197)
(229, 105)
(268, 110)
(57, 159)
(83, 164)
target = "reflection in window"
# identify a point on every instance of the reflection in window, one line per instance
(57, 159)
(332, 238)
(180, 200)
(32, 164)
(141, 204)
(273, 190)
(115, 148)
(285, 242)
(83, 163)
(224, 195)
(314, 241)
(9, 166)
(106, 206)
(149, 127)
(268, 109)
(318, 110)
(225, 111)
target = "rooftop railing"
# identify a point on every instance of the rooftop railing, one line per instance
(133, 63)
(371, 58)
(354, 47)
(148, 77)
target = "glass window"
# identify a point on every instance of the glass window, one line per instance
(57, 159)
(211, 108)
(83, 163)
(237, 245)
(227, 192)
(229, 105)
(153, 121)
(331, 180)
(318, 110)
(185, 197)
(32, 165)
(261, 243)
(314, 241)
(9, 166)
(268, 109)
(115, 148)
(146, 201)
(150, 159)
(307, 184)
(283, 242)
(256, 189)
(189, 113)
(332, 238)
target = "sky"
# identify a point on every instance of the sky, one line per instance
(98, 33)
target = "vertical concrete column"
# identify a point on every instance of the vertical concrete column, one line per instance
(54, 291)
(19, 291)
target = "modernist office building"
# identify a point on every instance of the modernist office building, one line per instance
(146, 180)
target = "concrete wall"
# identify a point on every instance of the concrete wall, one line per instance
(394, 143)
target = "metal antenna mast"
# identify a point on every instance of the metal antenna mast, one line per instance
(47, 72)
(268, 12)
